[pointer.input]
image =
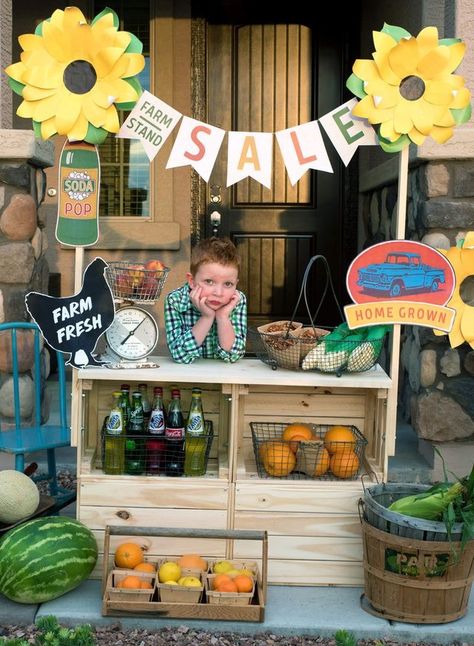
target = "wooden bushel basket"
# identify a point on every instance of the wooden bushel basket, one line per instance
(415, 581)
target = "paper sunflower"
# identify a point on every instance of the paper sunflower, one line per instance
(74, 75)
(409, 88)
(462, 260)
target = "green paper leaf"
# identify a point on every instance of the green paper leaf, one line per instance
(104, 13)
(39, 27)
(449, 41)
(37, 129)
(16, 86)
(356, 86)
(95, 135)
(394, 146)
(462, 115)
(135, 45)
(397, 33)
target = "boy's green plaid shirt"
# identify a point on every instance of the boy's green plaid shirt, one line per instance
(181, 315)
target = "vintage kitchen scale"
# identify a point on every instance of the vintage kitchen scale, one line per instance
(134, 332)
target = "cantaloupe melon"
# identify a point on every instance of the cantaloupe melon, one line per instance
(19, 496)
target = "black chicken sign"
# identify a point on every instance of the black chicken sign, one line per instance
(73, 324)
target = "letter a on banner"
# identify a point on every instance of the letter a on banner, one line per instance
(197, 144)
(302, 148)
(249, 154)
(347, 132)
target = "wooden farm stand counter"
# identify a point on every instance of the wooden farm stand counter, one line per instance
(313, 525)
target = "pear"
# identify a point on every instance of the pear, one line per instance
(222, 567)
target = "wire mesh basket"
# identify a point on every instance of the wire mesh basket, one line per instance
(132, 281)
(303, 353)
(337, 456)
(146, 454)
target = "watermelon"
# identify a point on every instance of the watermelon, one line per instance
(44, 558)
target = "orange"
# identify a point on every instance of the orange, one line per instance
(322, 463)
(145, 567)
(279, 460)
(227, 586)
(128, 555)
(193, 562)
(218, 579)
(244, 583)
(344, 465)
(146, 585)
(339, 439)
(298, 432)
(131, 581)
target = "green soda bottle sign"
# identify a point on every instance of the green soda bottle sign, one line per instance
(78, 202)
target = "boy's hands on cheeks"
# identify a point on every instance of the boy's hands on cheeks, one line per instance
(224, 311)
(200, 302)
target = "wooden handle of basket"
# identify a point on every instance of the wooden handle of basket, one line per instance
(180, 532)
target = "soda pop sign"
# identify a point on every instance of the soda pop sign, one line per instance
(400, 281)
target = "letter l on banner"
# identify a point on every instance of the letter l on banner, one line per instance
(302, 148)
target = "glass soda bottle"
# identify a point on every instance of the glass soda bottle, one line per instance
(135, 439)
(156, 443)
(143, 388)
(196, 440)
(78, 199)
(125, 400)
(174, 436)
(114, 445)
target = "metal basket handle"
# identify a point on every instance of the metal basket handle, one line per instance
(303, 292)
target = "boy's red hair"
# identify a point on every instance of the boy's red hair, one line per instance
(218, 250)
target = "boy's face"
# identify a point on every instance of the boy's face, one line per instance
(217, 282)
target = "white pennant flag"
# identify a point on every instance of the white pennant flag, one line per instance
(302, 148)
(347, 132)
(249, 154)
(197, 144)
(151, 121)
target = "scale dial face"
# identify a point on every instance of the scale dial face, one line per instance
(133, 333)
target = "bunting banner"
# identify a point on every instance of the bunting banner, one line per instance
(249, 154)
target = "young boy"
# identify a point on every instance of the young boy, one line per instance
(207, 316)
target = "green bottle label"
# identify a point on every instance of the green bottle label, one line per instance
(78, 201)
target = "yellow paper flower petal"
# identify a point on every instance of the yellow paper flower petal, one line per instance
(383, 42)
(66, 100)
(385, 70)
(402, 120)
(434, 63)
(416, 136)
(469, 241)
(365, 70)
(467, 324)
(445, 119)
(456, 54)
(48, 128)
(366, 109)
(403, 58)
(387, 131)
(79, 129)
(427, 39)
(438, 93)
(389, 95)
(422, 116)
(461, 98)
(441, 135)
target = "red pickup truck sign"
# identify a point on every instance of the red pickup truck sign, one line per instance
(400, 281)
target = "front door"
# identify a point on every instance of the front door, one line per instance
(266, 74)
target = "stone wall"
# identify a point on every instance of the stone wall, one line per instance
(23, 266)
(436, 381)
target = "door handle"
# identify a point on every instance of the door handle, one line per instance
(215, 221)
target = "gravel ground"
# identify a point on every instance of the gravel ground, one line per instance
(113, 635)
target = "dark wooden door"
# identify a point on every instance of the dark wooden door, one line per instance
(264, 74)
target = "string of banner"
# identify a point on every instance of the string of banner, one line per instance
(249, 154)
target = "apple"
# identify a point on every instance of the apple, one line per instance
(154, 265)
(123, 286)
(137, 275)
(149, 287)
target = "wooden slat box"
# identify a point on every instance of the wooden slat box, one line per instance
(253, 610)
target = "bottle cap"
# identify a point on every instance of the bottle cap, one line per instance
(125, 387)
(196, 391)
(158, 390)
(143, 386)
(136, 394)
(175, 393)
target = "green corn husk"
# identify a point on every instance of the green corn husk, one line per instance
(428, 507)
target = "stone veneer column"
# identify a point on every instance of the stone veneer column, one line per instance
(23, 266)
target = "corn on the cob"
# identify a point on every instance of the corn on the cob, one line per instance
(427, 507)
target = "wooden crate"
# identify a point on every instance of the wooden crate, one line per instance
(253, 610)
